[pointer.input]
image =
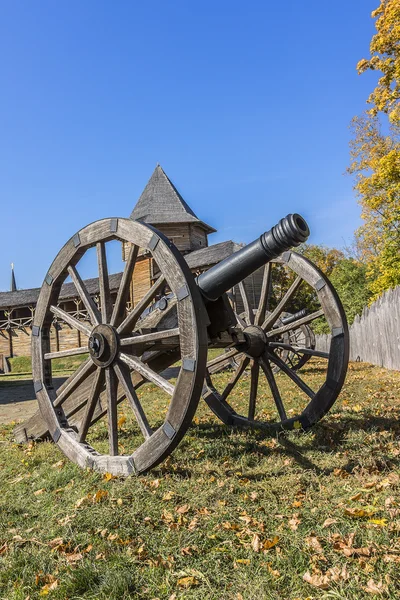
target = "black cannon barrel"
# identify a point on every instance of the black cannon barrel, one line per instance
(292, 318)
(290, 231)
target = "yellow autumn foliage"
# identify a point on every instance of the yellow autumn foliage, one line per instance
(375, 155)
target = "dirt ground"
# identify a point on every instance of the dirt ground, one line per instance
(17, 399)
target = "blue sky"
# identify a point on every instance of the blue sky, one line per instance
(246, 105)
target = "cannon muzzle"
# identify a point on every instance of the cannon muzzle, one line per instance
(289, 232)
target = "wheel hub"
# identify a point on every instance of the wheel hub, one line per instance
(103, 345)
(256, 341)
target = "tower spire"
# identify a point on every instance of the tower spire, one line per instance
(13, 287)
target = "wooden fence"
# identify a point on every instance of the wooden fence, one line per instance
(375, 335)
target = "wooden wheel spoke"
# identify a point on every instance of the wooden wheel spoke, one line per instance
(123, 375)
(104, 283)
(266, 367)
(136, 364)
(265, 291)
(98, 383)
(150, 337)
(246, 303)
(222, 357)
(93, 311)
(296, 324)
(299, 350)
(75, 323)
(292, 374)
(274, 316)
(130, 321)
(235, 378)
(112, 418)
(66, 389)
(255, 370)
(62, 353)
(124, 288)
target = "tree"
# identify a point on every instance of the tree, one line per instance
(375, 155)
(349, 279)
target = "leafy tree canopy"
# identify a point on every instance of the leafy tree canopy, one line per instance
(375, 155)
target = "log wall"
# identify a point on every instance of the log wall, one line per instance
(375, 335)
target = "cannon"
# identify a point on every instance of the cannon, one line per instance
(174, 325)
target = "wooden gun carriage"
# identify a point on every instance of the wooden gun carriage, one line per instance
(176, 323)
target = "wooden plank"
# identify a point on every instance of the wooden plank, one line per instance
(274, 316)
(123, 375)
(124, 288)
(62, 353)
(135, 363)
(130, 321)
(104, 284)
(84, 295)
(79, 325)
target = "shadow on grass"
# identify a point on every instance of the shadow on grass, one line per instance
(328, 437)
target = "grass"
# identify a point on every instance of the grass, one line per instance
(21, 366)
(232, 514)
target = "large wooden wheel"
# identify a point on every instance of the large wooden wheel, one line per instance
(117, 366)
(293, 395)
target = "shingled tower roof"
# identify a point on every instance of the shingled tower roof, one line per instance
(161, 202)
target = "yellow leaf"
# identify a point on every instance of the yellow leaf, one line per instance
(100, 495)
(243, 561)
(270, 543)
(121, 421)
(168, 495)
(120, 502)
(108, 477)
(379, 522)
(187, 582)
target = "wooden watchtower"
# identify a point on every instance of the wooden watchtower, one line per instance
(162, 205)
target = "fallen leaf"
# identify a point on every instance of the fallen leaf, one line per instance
(100, 495)
(183, 509)
(294, 522)
(67, 519)
(314, 543)
(255, 543)
(56, 542)
(243, 561)
(187, 582)
(121, 421)
(73, 557)
(375, 588)
(108, 476)
(193, 524)
(360, 513)
(39, 492)
(168, 496)
(83, 501)
(378, 522)
(267, 544)
(323, 581)
(328, 522)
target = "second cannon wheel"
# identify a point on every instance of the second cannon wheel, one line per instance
(265, 390)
